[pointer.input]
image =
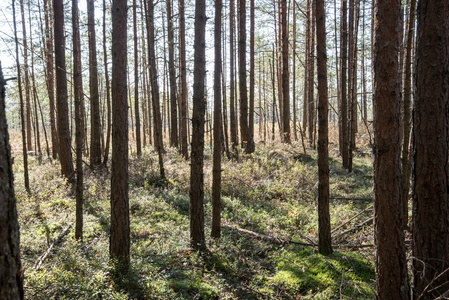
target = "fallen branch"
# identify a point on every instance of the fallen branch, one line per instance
(358, 226)
(369, 207)
(94, 241)
(258, 236)
(350, 199)
(41, 259)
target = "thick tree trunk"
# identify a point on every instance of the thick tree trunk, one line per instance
(431, 165)
(391, 266)
(324, 224)
(197, 239)
(11, 277)
(120, 240)
(216, 169)
(65, 150)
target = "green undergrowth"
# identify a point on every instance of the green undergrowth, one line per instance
(272, 192)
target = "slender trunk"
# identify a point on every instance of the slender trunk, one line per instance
(136, 82)
(37, 140)
(78, 83)
(108, 93)
(183, 79)
(324, 224)
(251, 71)
(149, 7)
(27, 79)
(407, 117)
(310, 77)
(172, 77)
(216, 168)
(247, 138)
(232, 100)
(344, 100)
(22, 112)
(285, 77)
(295, 135)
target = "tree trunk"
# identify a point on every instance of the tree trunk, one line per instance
(247, 138)
(172, 77)
(22, 112)
(95, 139)
(108, 93)
(136, 82)
(324, 224)
(344, 149)
(199, 106)
(305, 121)
(295, 134)
(251, 70)
(430, 136)
(27, 80)
(154, 87)
(311, 78)
(391, 267)
(78, 89)
(11, 276)
(65, 150)
(407, 114)
(285, 77)
(120, 239)
(50, 78)
(232, 100)
(216, 169)
(183, 80)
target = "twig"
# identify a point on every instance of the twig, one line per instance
(41, 259)
(365, 223)
(430, 284)
(94, 241)
(256, 291)
(352, 218)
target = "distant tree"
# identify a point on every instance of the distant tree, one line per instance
(216, 168)
(251, 69)
(120, 239)
(22, 112)
(431, 164)
(232, 100)
(285, 77)
(136, 81)
(247, 138)
(108, 89)
(324, 224)
(172, 76)
(391, 266)
(95, 136)
(149, 7)
(27, 79)
(65, 150)
(197, 153)
(11, 277)
(344, 132)
(78, 89)
(49, 74)
(183, 81)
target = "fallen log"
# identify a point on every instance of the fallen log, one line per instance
(41, 259)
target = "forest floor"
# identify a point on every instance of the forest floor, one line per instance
(272, 192)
